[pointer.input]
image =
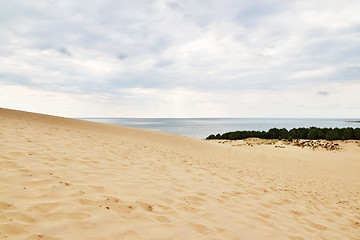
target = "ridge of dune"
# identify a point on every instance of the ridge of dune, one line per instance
(139, 135)
(64, 178)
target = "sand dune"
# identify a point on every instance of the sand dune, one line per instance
(70, 179)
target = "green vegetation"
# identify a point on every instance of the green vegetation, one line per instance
(295, 133)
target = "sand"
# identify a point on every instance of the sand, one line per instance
(70, 179)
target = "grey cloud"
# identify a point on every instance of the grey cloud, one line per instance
(160, 44)
(143, 30)
(64, 51)
(174, 5)
(122, 56)
(11, 78)
(252, 14)
(203, 13)
(164, 63)
(323, 93)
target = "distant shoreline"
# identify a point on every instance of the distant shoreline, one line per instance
(352, 121)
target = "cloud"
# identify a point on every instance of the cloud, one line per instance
(323, 93)
(205, 48)
(174, 5)
(64, 51)
(164, 63)
(121, 56)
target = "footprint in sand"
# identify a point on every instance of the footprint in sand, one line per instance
(20, 217)
(44, 207)
(8, 164)
(13, 228)
(131, 235)
(41, 237)
(162, 219)
(317, 226)
(199, 228)
(115, 204)
(145, 206)
(6, 206)
(194, 200)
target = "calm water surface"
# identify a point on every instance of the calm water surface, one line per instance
(203, 127)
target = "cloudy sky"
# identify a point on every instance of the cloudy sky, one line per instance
(181, 58)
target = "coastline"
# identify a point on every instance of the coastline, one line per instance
(63, 178)
(203, 127)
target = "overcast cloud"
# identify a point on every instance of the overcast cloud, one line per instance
(220, 58)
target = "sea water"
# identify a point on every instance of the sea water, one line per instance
(203, 127)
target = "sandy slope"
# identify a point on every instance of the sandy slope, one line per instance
(69, 179)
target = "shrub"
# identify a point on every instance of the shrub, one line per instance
(295, 133)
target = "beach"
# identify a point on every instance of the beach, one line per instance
(64, 178)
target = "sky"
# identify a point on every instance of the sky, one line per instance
(189, 58)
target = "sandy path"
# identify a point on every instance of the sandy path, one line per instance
(70, 179)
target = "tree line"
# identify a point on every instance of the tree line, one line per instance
(295, 133)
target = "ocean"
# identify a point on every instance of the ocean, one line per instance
(203, 127)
